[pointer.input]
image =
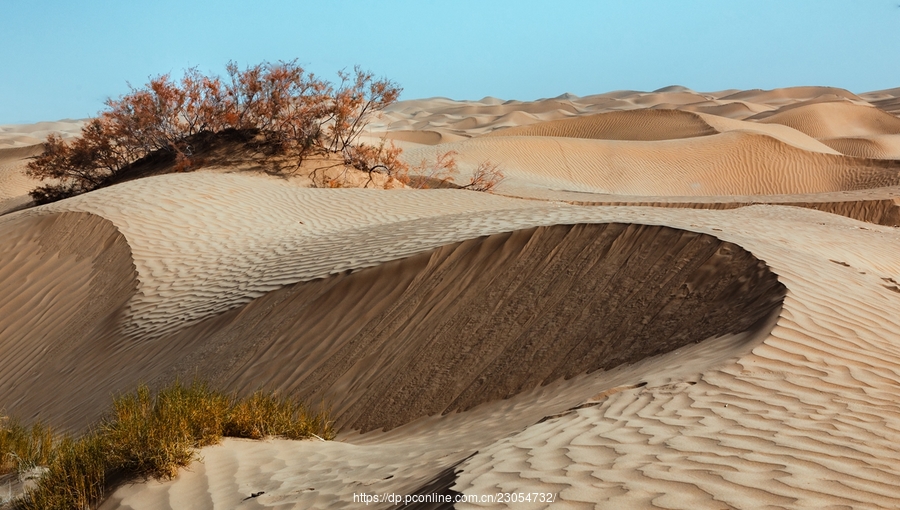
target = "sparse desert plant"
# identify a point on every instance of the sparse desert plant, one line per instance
(154, 435)
(382, 158)
(356, 98)
(269, 414)
(24, 448)
(439, 173)
(295, 112)
(75, 479)
(151, 435)
(485, 177)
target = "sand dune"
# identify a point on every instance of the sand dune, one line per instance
(731, 163)
(22, 135)
(472, 118)
(655, 125)
(364, 366)
(740, 424)
(877, 146)
(68, 277)
(791, 95)
(730, 412)
(14, 184)
(728, 109)
(622, 325)
(627, 125)
(837, 120)
(178, 287)
(782, 133)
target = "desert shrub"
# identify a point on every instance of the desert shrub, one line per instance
(382, 158)
(441, 172)
(485, 177)
(297, 113)
(152, 435)
(356, 98)
(437, 174)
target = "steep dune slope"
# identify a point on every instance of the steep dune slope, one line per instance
(330, 331)
(66, 280)
(449, 330)
(813, 401)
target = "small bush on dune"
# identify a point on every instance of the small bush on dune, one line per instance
(486, 177)
(147, 435)
(297, 114)
(292, 112)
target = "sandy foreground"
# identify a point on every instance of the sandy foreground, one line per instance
(674, 300)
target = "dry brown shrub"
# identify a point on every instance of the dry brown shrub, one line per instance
(296, 113)
(486, 177)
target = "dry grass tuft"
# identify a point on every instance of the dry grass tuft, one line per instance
(146, 435)
(23, 448)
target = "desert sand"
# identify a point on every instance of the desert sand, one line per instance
(675, 299)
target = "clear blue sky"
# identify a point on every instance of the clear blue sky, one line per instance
(62, 59)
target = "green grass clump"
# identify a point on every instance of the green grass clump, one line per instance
(147, 435)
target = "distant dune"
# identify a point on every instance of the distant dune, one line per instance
(702, 166)
(674, 299)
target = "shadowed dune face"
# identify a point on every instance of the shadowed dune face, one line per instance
(441, 331)
(66, 279)
(485, 319)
